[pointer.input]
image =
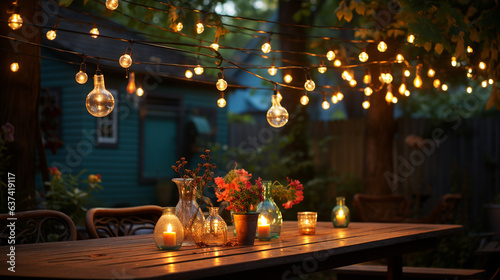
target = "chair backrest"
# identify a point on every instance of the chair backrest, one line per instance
(112, 222)
(445, 210)
(36, 226)
(381, 208)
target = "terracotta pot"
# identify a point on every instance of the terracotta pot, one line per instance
(246, 227)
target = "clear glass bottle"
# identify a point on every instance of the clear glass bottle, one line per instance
(214, 229)
(270, 212)
(340, 214)
(168, 233)
(188, 211)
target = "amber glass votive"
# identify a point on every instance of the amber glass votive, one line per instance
(307, 222)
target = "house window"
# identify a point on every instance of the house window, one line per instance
(107, 127)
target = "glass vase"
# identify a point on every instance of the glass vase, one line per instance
(214, 229)
(169, 232)
(188, 211)
(269, 214)
(340, 214)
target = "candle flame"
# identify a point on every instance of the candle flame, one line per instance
(262, 221)
(341, 214)
(169, 228)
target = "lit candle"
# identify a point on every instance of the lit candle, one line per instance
(263, 229)
(340, 217)
(307, 222)
(169, 237)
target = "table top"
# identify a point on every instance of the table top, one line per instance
(137, 256)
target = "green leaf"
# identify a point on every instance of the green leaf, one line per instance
(65, 3)
(439, 48)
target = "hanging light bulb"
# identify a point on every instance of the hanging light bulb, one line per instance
(179, 26)
(382, 46)
(131, 83)
(322, 68)
(325, 105)
(112, 4)
(139, 92)
(346, 76)
(51, 35)
(400, 58)
(266, 47)
(337, 63)
(198, 70)
(188, 74)
(215, 46)
(15, 21)
(469, 75)
(14, 67)
(330, 55)
(410, 38)
(366, 104)
(469, 49)
(279, 96)
(353, 83)
(340, 96)
(417, 82)
(444, 87)
(484, 83)
(334, 99)
(363, 56)
(100, 102)
(407, 93)
(367, 78)
(436, 83)
(431, 73)
(81, 77)
(200, 28)
(221, 102)
(388, 95)
(95, 32)
(402, 88)
(277, 116)
(490, 81)
(304, 100)
(287, 78)
(394, 99)
(469, 90)
(309, 85)
(125, 60)
(482, 65)
(272, 70)
(368, 91)
(407, 73)
(453, 61)
(221, 84)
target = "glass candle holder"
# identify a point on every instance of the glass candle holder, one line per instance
(214, 229)
(307, 222)
(168, 233)
(341, 216)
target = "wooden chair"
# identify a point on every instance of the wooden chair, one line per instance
(112, 222)
(37, 226)
(381, 208)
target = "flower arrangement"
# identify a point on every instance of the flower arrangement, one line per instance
(293, 192)
(237, 190)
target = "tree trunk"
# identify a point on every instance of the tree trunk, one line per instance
(18, 101)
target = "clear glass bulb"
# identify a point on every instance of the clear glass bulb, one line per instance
(400, 58)
(410, 39)
(363, 56)
(417, 82)
(366, 104)
(188, 74)
(266, 47)
(368, 91)
(125, 61)
(51, 35)
(272, 70)
(330, 55)
(277, 116)
(469, 75)
(453, 61)
(388, 97)
(431, 73)
(484, 83)
(100, 102)
(482, 65)
(490, 81)
(288, 78)
(346, 76)
(304, 100)
(95, 32)
(337, 63)
(322, 68)
(444, 87)
(198, 70)
(325, 105)
(407, 93)
(353, 83)
(367, 78)
(407, 73)
(340, 96)
(309, 85)
(179, 26)
(139, 92)
(436, 83)
(14, 67)
(131, 83)
(221, 102)
(200, 28)
(112, 4)
(469, 90)
(402, 88)
(15, 21)
(335, 99)
(215, 46)
(221, 85)
(382, 46)
(469, 49)
(394, 99)
(81, 77)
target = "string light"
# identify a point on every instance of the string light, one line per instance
(131, 83)
(394, 99)
(99, 102)
(139, 92)
(81, 77)
(368, 91)
(453, 61)
(431, 73)
(221, 102)
(363, 56)
(402, 88)
(385, 78)
(436, 83)
(325, 105)
(279, 96)
(367, 78)
(469, 90)
(126, 60)
(14, 66)
(469, 49)
(490, 81)
(389, 96)
(353, 83)
(407, 93)
(366, 104)
(340, 96)
(482, 65)
(410, 38)
(188, 74)
(221, 84)
(330, 55)
(417, 82)
(287, 78)
(272, 70)
(334, 99)
(198, 70)
(277, 116)
(346, 76)
(266, 47)
(322, 68)
(337, 63)
(407, 73)
(112, 4)
(484, 83)
(309, 85)
(95, 32)
(51, 35)
(15, 21)
(444, 87)
(400, 58)
(382, 46)
(215, 46)
(200, 28)
(304, 100)
(179, 26)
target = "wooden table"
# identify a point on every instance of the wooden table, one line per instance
(136, 257)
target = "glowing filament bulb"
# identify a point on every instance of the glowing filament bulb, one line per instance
(215, 46)
(81, 77)
(221, 85)
(179, 26)
(272, 70)
(304, 100)
(394, 99)
(484, 83)
(330, 55)
(367, 78)
(469, 49)
(436, 83)
(221, 102)
(131, 83)
(407, 73)
(410, 39)
(15, 21)
(402, 88)
(431, 73)
(363, 56)
(482, 65)
(288, 78)
(346, 76)
(337, 63)
(112, 4)
(407, 93)
(335, 99)
(382, 46)
(490, 81)
(99, 102)
(51, 35)
(325, 105)
(198, 70)
(400, 58)
(200, 28)
(368, 91)
(453, 61)
(277, 116)
(95, 32)
(266, 47)
(353, 83)
(14, 67)
(279, 96)
(469, 75)
(139, 92)
(388, 96)
(340, 96)
(188, 74)
(322, 68)
(444, 87)
(469, 90)
(366, 104)
(125, 61)
(309, 85)
(417, 82)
